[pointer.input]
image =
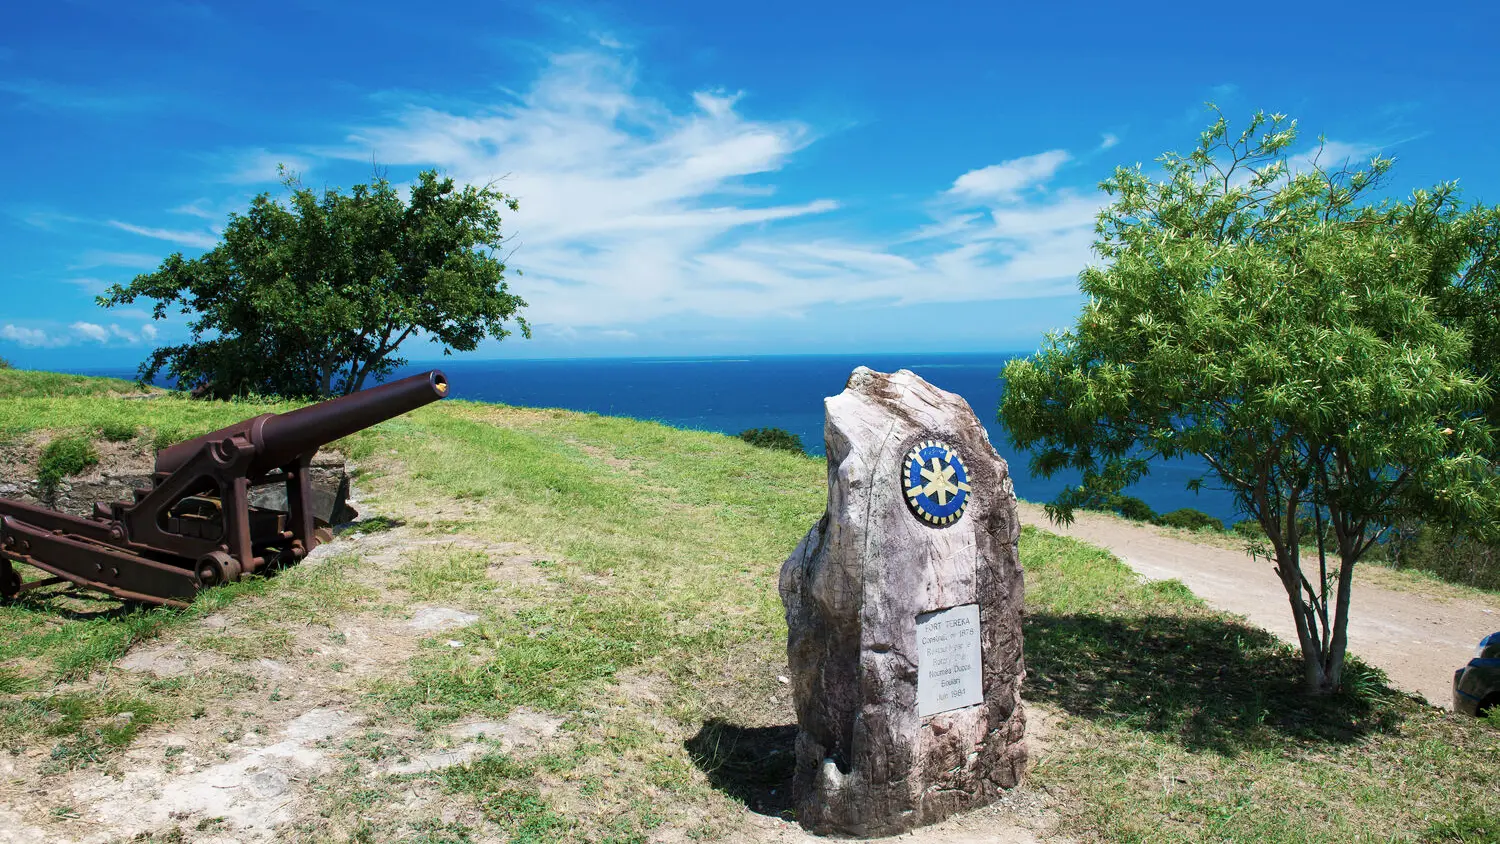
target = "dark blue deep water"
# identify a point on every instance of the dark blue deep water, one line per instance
(731, 394)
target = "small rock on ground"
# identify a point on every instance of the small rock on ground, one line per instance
(441, 618)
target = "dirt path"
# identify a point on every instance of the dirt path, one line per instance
(1417, 639)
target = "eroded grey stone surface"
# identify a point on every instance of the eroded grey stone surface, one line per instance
(250, 793)
(867, 762)
(441, 618)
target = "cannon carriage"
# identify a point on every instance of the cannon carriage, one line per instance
(196, 527)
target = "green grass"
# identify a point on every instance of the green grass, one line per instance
(86, 726)
(688, 530)
(433, 573)
(29, 384)
(175, 415)
(62, 458)
(374, 524)
(77, 404)
(1184, 725)
(1479, 825)
(506, 793)
(118, 432)
(623, 577)
(49, 643)
(545, 657)
(13, 683)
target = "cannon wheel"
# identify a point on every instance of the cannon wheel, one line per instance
(217, 568)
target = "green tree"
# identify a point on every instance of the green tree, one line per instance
(1260, 316)
(773, 438)
(1189, 519)
(1463, 275)
(315, 299)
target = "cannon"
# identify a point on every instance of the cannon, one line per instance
(196, 526)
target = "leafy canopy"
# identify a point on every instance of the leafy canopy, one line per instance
(773, 438)
(1262, 317)
(315, 299)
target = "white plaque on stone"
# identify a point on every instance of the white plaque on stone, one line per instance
(948, 664)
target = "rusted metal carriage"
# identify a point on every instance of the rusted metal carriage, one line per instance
(196, 527)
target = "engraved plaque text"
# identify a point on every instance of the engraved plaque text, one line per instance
(949, 674)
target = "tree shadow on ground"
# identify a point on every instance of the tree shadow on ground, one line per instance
(1207, 683)
(754, 765)
(1211, 684)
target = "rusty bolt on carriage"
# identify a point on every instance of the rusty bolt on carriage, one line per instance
(196, 527)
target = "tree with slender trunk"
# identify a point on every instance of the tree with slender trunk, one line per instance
(1254, 310)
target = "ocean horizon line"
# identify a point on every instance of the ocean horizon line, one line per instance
(113, 371)
(728, 358)
(733, 393)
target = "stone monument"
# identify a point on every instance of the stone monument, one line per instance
(903, 609)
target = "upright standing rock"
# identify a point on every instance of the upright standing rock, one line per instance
(903, 609)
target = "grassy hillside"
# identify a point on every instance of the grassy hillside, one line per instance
(28, 383)
(616, 584)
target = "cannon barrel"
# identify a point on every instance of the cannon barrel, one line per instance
(279, 438)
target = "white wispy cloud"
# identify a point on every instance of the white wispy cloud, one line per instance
(90, 331)
(47, 219)
(39, 93)
(259, 166)
(196, 209)
(944, 228)
(1332, 155)
(196, 239)
(1066, 213)
(31, 338)
(633, 210)
(1109, 140)
(1222, 91)
(91, 286)
(91, 258)
(113, 334)
(1006, 180)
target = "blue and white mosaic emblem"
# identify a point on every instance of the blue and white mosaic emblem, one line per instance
(936, 483)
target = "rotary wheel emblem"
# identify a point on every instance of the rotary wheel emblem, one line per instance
(936, 483)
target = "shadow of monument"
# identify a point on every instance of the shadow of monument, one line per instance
(1209, 684)
(754, 765)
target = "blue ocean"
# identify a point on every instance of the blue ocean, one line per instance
(729, 395)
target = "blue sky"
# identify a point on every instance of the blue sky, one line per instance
(695, 178)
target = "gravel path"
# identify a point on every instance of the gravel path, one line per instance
(1417, 639)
